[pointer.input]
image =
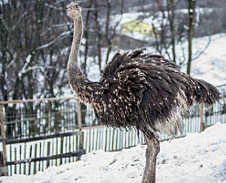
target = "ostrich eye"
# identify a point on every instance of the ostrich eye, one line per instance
(76, 6)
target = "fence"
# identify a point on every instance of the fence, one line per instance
(45, 132)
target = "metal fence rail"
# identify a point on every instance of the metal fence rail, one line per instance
(39, 133)
(25, 120)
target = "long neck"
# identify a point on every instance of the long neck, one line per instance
(79, 83)
(78, 30)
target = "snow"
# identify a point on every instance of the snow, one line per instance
(199, 157)
(152, 18)
(24, 69)
(210, 65)
(4, 2)
(140, 36)
(61, 36)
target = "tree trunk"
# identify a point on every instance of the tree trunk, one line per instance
(86, 36)
(171, 16)
(98, 31)
(191, 13)
(152, 151)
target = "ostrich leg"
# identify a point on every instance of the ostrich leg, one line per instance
(152, 151)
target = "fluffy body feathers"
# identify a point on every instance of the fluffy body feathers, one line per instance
(144, 91)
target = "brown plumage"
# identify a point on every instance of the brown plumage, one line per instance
(138, 90)
(147, 92)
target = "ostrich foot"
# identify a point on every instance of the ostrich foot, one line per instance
(152, 151)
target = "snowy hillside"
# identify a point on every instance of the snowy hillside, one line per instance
(199, 158)
(210, 66)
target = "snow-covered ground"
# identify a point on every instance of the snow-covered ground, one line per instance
(197, 158)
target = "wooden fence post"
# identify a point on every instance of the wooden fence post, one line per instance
(79, 119)
(201, 117)
(3, 166)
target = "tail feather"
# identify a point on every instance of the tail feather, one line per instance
(206, 93)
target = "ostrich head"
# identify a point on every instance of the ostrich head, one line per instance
(74, 10)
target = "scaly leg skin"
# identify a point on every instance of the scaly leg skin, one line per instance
(152, 151)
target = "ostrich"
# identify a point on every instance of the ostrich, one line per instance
(147, 92)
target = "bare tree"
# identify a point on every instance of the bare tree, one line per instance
(171, 7)
(110, 31)
(105, 29)
(166, 35)
(96, 14)
(191, 7)
(87, 34)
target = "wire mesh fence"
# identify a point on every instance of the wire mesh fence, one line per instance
(31, 130)
(38, 118)
(25, 120)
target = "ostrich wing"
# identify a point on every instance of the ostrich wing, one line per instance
(139, 92)
(149, 93)
(120, 59)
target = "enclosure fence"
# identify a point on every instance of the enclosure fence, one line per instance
(36, 134)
